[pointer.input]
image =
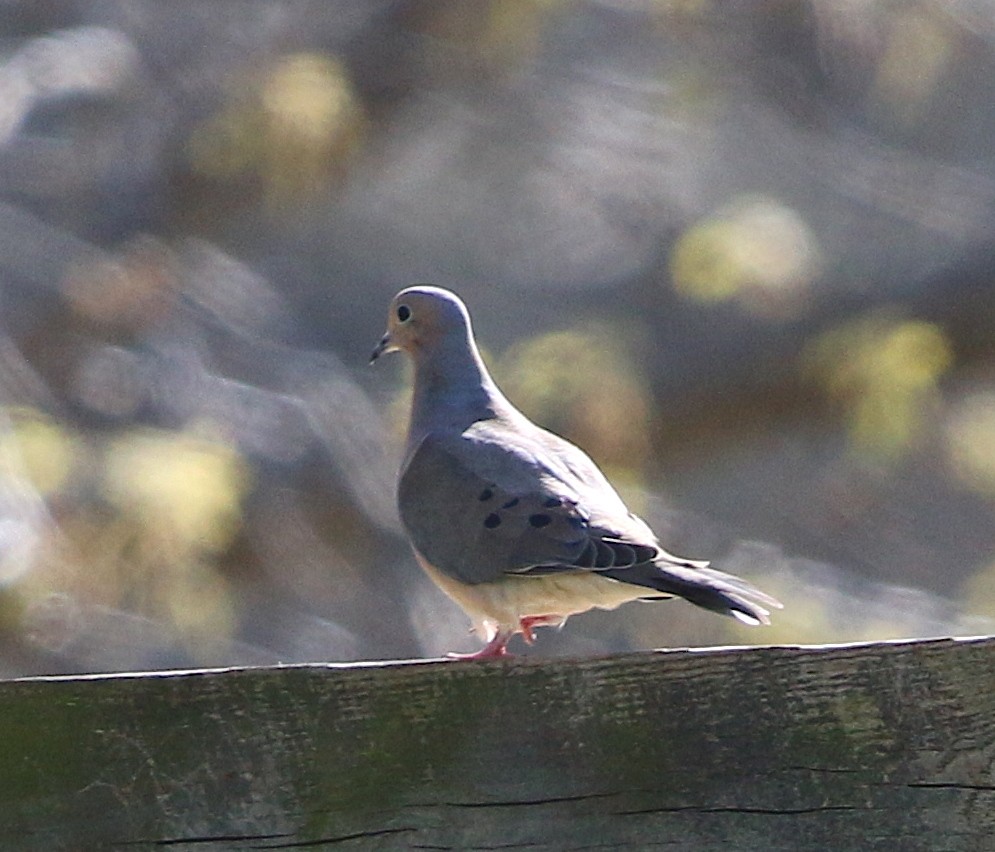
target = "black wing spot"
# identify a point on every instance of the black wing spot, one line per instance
(539, 519)
(492, 520)
(512, 502)
(552, 502)
(485, 495)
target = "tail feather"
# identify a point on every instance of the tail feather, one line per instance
(706, 587)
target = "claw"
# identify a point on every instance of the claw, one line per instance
(527, 624)
(495, 649)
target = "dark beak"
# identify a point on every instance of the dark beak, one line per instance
(382, 347)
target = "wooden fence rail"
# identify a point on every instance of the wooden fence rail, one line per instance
(880, 746)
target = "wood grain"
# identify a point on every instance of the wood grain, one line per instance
(881, 746)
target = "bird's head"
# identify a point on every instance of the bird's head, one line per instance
(420, 319)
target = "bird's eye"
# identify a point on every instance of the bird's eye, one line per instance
(403, 313)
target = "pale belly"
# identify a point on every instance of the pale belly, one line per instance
(499, 607)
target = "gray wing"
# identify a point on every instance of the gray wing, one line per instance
(479, 506)
(494, 501)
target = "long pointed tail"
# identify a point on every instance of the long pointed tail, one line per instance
(706, 587)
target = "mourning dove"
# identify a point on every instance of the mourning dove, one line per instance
(517, 525)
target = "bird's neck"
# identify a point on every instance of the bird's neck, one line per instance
(452, 389)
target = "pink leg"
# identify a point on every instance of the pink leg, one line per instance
(497, 647)
(528, 622)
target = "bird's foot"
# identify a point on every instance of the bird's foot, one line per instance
(528, 623)
(495, 649)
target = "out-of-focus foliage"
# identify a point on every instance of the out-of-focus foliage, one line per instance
(741, 253)
(971, 441)
(37, 452)
(187, 489)
(885, 372)
(918, 46)
(581, 382)
(294, 129)
(756, 250)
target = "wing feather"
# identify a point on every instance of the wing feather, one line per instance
(492, 502)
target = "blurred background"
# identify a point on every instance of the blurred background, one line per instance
(742, 252)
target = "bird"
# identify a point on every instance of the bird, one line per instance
(514, 523)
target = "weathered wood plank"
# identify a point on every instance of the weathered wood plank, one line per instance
(884, 746)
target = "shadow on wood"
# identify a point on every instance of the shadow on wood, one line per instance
(881, 746)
